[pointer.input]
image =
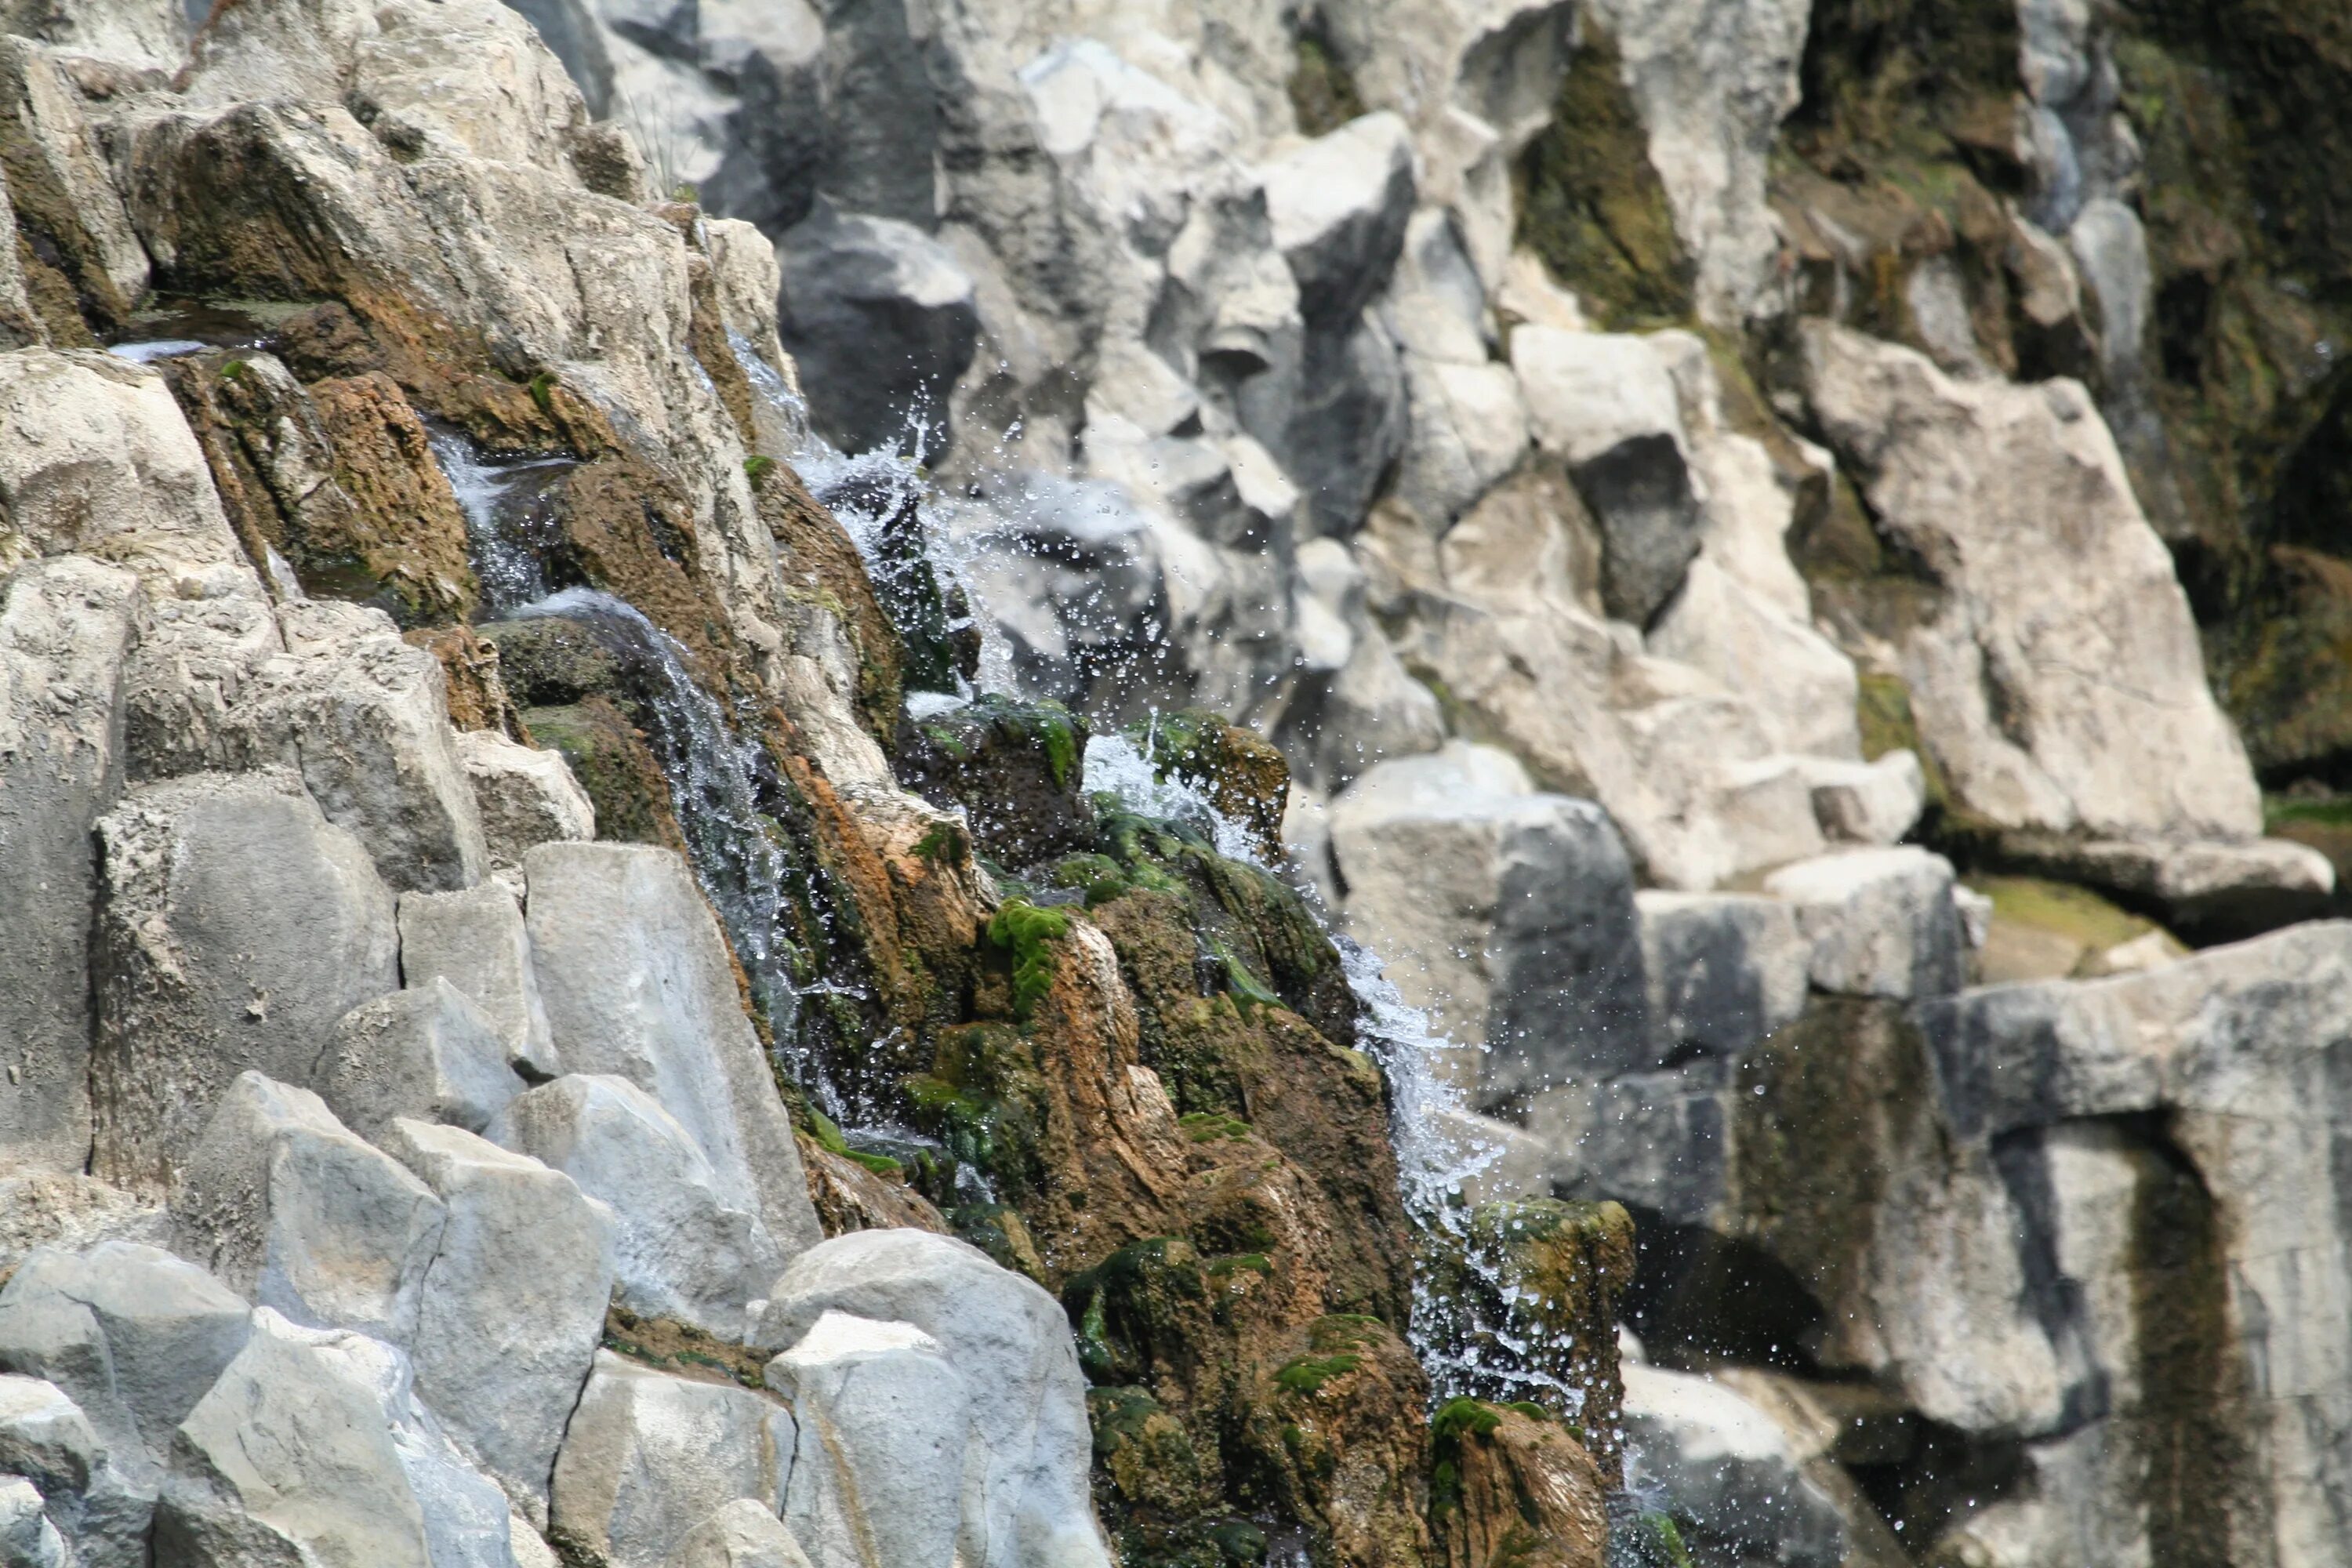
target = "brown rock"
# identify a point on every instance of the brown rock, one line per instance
(1514, 1489)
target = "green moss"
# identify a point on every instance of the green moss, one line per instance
(1308, 1374)
(756, 468)
(542, 392)
(1457, 1418)
(1208, 1126)
(1322, 91)
(233, 370)
(2062, 908)
(1662, 1535)
(945, 844)
(1028, 932)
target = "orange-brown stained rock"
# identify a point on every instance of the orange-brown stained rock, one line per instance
(1339, 1427)
(819, 562)
(850, 1197)
(1515, 1492)
(469, 668)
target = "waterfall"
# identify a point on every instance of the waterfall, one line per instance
(510, 516)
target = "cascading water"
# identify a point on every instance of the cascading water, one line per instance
(510, 522)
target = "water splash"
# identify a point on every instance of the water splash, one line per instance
(717, 781)
(1117, 766)
(511, 524)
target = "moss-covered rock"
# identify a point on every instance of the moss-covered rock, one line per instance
(1512, 1488)
(1016, 769)
(1243, 774)
(822, 568)
(1337, 1436)
(611, 759)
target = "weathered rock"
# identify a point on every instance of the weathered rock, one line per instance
(1881, 922)
(1732, 1477)
(514, 1303)
(2210, 891)
(853, 284)
(133, 1335)
(72, 1212)
(939, 1316)
(475, 938)
(1725, 970)
(99, 1510)
(1337, 207)
(2070, 702)
(1530, 944)
(132, 29)
(426, 1052)
(67, 206)
(236, 925)
(285, 1205)
(637, 982)
(1016, 769)
(1867, 803)
(312, 1448)
(64, 627)
(525, 797)
(1523, 1491)
(681, 1251)
(98, 462)
(648, 1456)
(743, 1534)
(27, 1539)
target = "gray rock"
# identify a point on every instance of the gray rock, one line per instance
(524, 795)
(883, 1471)
(57, 168)
(286, 1206)
(1656, 1139)
(648, 1456)
(515, 1302)
(1339, 205)
(427, 1052)
(1729, 1471)
(1024, 1475)
(64, 628)
(475, 938)
(27, 1539)
(100, 1512)
(638, 983)
(880, 317)
(743, 1534)
(130, 1333)
(1725, 970)
(311, 1448)
(72, 1213)
(575, 37)
(1867, 803)
(236, 925)
(1606, 402)
(1881, 922)
(682, 1251)
(1335, 417)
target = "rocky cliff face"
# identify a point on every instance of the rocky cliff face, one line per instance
(715, 718)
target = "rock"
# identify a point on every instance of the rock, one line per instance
(1734, 1481)
(929, 1300)
(72, 1212)
(27, 1539)
(637, 982)
(681, 1251)
(282, 1202)
(1335, 417)
(1881, 922)
(1606, 402)
(65, 626)
(860, 293)
(312, 1448)
(648, 1456)
(525, 797)
(1726, 970)
(514, 1304)
(236, 925)
(1867, 803)
(475, 938)
(743, 1534)
(2208, 891)
(61, 184)
(1530, 943)
(2014, 683)
(132, 1335)
(98, 1512)
(144, 30)
(427, 1052)
(98, 462)
(1337, 207)
(1524, 1491)
(1016, 770)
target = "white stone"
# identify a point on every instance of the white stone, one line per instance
(1880, 923)
(427, 1052)
(525, 797)
(743, 1534)
(1867, 803)
(475, 938)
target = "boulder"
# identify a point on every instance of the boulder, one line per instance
(475, 938)
(427, 1052)
(884, 1472)
(1334, 416)
(1606, 402)
(514, 1304)
(639, 984)
(2208, 891)
(1725, 970)
(524, 796)
(336, 694)
(236, 924)
(1338, 206)
(94, 459)
(65, 626)
(1881, 922)
(649, 1456)
(132, 1335)
(881, 319)
(1524, 1491)
(743, 1534)
(682, 1251)
(146, 30)
(311, 1448)
(996, 1339)
(1867, 802)
(27, 1539)
(1734, 1482)
(2067, 703)
(99, 1511)
(59, 181)
(1509, 915)
(283, 1203)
